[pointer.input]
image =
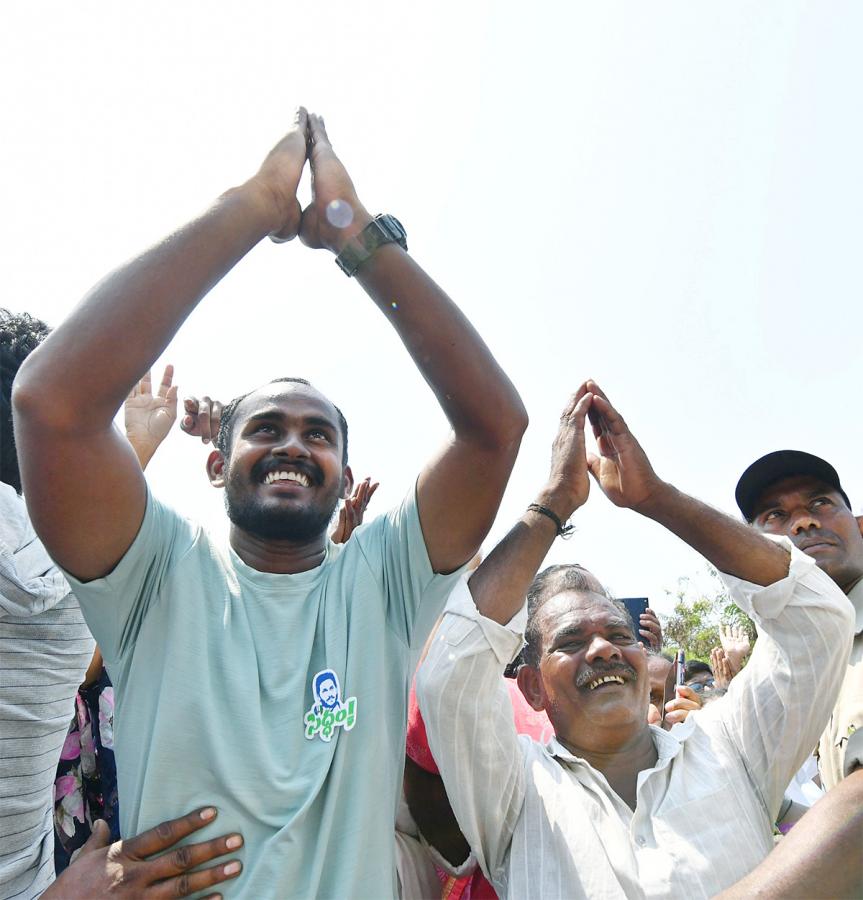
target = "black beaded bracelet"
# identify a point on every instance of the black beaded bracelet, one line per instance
(563, 531)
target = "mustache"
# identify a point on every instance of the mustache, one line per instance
(811, 534)
(310, 470)
(587, 675)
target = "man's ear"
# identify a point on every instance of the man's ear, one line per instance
(348, 485)
(216, 469)
(530, 684)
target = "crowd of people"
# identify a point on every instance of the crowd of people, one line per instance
(325, 707)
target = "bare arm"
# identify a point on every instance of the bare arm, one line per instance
(481, 404)
(822, 855)
(83, 484)
(500, 584)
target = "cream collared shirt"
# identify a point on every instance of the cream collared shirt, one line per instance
(544, 823)
(840, 749)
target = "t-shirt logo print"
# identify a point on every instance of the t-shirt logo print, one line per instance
(328, 710)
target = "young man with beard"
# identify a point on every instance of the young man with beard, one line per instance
(612, 806)
(214, 652)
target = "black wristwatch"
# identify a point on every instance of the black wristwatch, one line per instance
(383, 229)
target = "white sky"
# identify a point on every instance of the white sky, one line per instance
(666, 198)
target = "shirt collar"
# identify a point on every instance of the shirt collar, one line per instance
(667, 743)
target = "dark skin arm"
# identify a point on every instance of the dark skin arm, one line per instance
(85, 492)
(83, 483)
(822, 855)
(483, 408)
(500, 584)
(430, 807)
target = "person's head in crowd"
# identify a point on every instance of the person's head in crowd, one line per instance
(20, 335)
(583, 663)
(282, 457)
(659, 666)
(698, 675)
(799, 495)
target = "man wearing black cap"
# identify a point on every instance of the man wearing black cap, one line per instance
(799, 495)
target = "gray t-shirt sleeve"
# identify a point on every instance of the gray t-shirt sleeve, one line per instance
(115, 606)
(415, 596)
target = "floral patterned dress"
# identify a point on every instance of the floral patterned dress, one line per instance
(86, 785)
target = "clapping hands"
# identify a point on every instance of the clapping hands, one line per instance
(335, 213)
(621, 468)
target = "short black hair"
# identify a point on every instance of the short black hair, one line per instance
(549, 583)
(695, 667)
(20, 335)
(226, 423)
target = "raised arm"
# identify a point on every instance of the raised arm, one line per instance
(471, 732)
(783, 696)
(481, 404)
(82, 480)
(500, 584)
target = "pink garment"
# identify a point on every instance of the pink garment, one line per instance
(529, 721)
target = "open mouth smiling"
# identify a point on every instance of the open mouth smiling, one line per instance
(278, 476)
(601, 680)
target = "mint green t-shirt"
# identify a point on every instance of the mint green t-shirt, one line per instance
(279, 699)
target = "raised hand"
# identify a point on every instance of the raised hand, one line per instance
(735, 643)
(351, 513)
(568, 483)
(148, 416)
(201, 418)
(335, 213)
(622, 468)
(723, 671)
(279, 176)
(132, 869)
(650, 629)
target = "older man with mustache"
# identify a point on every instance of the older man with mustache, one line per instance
(613, 806)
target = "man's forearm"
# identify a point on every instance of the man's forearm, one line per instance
(733, 547)
(820, 857)
(500, 584)
(475, 394)
(128, 319)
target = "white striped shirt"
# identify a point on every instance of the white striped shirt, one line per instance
(45, 648)
(544, 823)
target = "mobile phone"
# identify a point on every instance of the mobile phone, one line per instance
(635, 606)
(675, 678)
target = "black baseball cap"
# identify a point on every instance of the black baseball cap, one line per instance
(776, 466)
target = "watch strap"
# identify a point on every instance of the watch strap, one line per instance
(383, 229)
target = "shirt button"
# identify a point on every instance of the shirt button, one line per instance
(641, 840)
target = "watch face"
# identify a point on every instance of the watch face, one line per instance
(393, 228)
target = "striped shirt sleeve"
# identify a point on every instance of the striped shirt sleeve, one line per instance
(783, 697)
(468, 716)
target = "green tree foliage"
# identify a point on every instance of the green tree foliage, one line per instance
(694, 624)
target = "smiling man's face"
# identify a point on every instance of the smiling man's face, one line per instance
(285, 472)
(592, 675)
(815, 517)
